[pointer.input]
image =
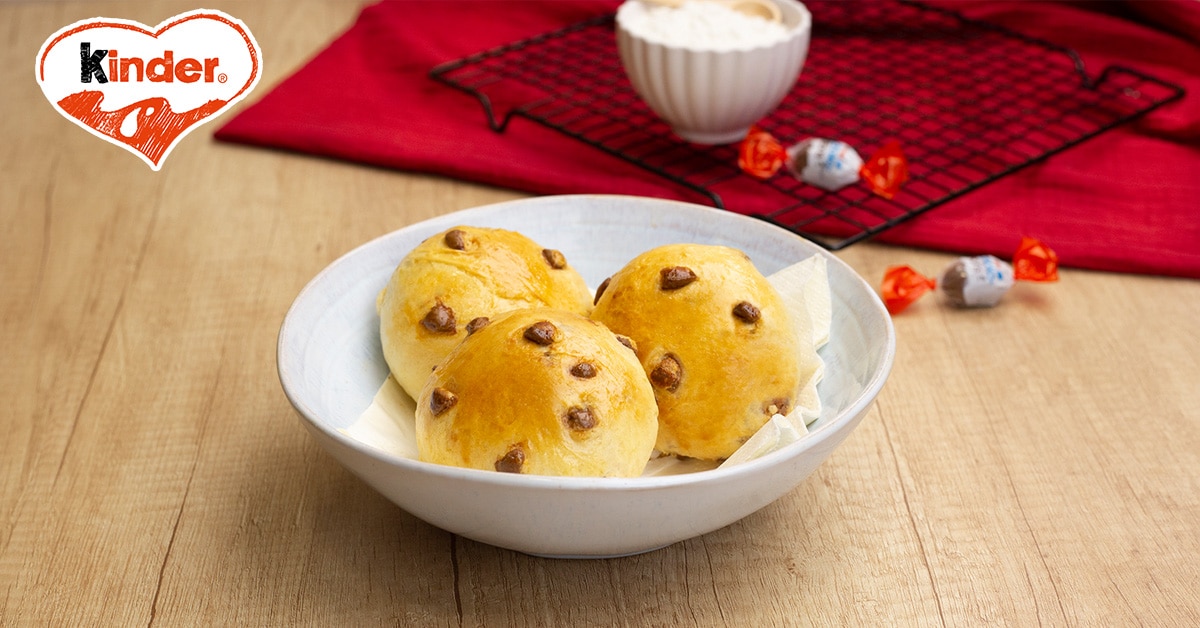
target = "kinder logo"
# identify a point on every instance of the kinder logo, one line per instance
(145, 88)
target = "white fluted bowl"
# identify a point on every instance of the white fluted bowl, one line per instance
(713, 96)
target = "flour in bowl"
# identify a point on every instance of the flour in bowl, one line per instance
(699, 25)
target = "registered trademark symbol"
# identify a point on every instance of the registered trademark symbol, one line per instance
(221, 78)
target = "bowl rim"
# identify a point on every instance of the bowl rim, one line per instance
(871, 388)
(801, 29)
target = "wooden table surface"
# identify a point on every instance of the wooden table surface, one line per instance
(1035, 463)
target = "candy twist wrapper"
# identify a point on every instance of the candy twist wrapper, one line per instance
(1035, 261)
(972, 281)
(761, 155)
(886, 171)
(902, 286)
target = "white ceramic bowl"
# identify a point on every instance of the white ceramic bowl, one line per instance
(331, 366)
(713, 96)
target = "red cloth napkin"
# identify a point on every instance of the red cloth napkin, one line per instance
(1126, 201)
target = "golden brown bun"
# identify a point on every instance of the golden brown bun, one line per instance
(714, 337)
(543, 392)
(458, 276)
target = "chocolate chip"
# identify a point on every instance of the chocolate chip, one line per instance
(668, 373)
(554, 258)
(746, 311)
(778, 405)
(439, 319)
(442, 400)
(512, 461)
(675, 277)
(583, 370)
(477, 324)
(456, 239)
(541, 333)
(627, 341)
(581, 419)
(601, 289)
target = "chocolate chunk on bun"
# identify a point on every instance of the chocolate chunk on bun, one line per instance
(715, 339)
(452, 284)
(539, 391)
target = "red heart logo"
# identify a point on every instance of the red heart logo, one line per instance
(144, 89)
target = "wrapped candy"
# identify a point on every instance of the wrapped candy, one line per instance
(976, 281)
(972, 281)
(828, 164)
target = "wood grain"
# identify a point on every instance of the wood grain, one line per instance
(1035, 463)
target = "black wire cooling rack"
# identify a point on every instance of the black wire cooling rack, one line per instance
(969, 102)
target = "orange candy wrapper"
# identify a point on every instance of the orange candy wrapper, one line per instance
(761, 155)
(886, 171)
(1035, 261)
(902, 286)
(972, 281)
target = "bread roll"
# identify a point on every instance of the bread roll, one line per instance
(539, 391)
(459, 276)
(715, 339)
